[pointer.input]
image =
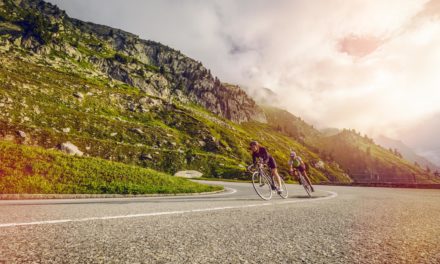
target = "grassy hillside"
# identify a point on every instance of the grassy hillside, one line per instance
(25, 169)
(358, 156)
(287, 123)
(118, 122)
(365, 161)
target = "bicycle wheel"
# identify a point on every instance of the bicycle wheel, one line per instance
(262, 185)
(306, 185)
(284, 194)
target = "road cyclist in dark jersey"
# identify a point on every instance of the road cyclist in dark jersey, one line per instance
(260, 152)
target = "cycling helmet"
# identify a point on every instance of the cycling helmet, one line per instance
(292, 154)
(253, 143)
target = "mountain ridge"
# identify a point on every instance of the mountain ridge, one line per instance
(134, 61)
(406, 151)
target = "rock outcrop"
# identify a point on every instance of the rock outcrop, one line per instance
(71, 149)
(150, 66)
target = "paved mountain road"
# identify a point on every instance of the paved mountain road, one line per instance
(341, 225)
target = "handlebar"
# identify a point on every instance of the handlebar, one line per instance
(259, 164)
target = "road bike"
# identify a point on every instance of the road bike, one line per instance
(264, 184)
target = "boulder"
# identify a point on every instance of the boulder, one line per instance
(69, 148)
(78, 95)
(320, 164)
(146, 157)
(188, 174)
(22, 134)
(137, 130)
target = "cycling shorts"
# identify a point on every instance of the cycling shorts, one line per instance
(271, 163)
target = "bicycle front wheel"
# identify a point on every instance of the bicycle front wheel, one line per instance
(306, 186)
(284, 193)
(262, 186)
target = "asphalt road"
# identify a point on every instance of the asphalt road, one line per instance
(339, 225)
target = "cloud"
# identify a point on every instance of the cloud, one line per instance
(369, 65)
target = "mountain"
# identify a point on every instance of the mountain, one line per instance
(422, 137)
(154, 68)
(117, 97)
(366, 161)
(406, 152)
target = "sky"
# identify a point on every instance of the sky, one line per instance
(368, 65)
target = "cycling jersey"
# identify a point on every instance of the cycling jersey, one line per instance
(268, 159)
(297, 163)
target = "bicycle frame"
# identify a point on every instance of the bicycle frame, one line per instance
(263, 173)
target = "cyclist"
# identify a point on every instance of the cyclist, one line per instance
(295, 162)
(261, 152)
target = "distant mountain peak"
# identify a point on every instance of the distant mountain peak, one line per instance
(407, 152)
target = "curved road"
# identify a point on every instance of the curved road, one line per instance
(338, 225)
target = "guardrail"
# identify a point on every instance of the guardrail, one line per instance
(393, 178)
(389, 184)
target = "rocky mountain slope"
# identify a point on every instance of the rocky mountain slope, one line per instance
(367, 162)
(406, 152)
(153, 68)
(121, 98)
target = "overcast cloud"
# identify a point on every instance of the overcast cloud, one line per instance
(369, 65)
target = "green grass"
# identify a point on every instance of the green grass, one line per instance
(97, 116)
(26, 169)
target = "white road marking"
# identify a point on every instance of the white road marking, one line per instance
(332, 195)
(230, 191)
(181, 198)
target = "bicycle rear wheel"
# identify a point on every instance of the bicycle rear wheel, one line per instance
(306, 185)
(262, 185)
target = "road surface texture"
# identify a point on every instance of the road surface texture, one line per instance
(339, 225)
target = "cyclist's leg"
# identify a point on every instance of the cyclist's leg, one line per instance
(297, 176)
(273, 168)
(276, 177)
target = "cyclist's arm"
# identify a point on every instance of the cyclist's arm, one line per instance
(290, 164)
